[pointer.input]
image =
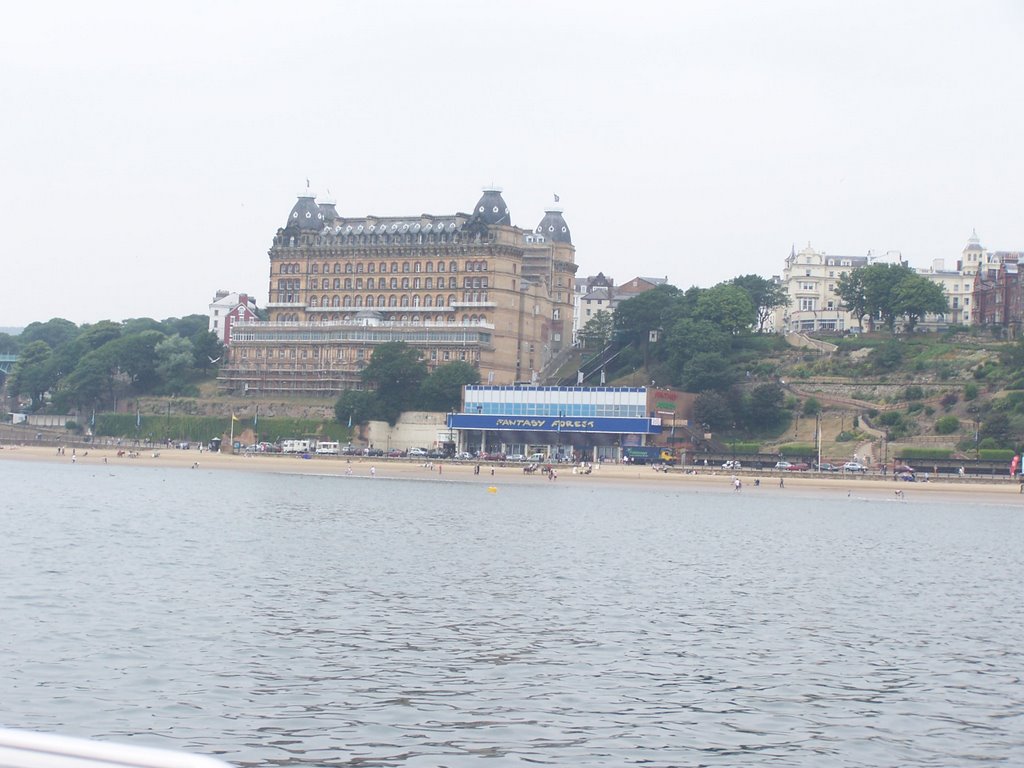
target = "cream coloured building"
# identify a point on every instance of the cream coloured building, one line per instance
(810, 278)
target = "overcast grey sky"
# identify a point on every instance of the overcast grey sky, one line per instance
(150, 153)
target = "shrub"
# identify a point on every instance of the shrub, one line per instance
(915, 407)
(812, 406)
(890, 418)
(947, 425)
(913, 393)
(970, 391)
(925, 453)
(949, 399)
(994, 454)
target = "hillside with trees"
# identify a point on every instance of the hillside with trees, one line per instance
(91, 367)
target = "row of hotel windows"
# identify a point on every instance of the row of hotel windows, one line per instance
(394, 283)
(477, 297)
(592, 410)
(349, 353)
(810, 305)
(467, 319)
(330, 239)
(293, 268)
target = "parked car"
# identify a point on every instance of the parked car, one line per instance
(826, 467)
(854, 466)
(903, 469)
(798, 467)
(782, 465)
(517, 457)
(395, 453)
(732, 464)
(435, 454)
(373, 451)
(417, 453)
(463, 456)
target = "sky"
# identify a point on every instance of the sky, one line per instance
(150, 152)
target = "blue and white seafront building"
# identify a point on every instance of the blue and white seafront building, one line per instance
(563, 423)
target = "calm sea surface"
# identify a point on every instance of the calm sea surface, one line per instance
(287, 620)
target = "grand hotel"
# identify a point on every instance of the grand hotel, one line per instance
(462, 286)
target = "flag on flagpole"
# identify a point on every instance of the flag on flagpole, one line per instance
(138, 417)
(233, 417)
(350, 419)
(556, 198)
(256, 418)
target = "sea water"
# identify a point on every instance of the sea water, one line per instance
(280, 620)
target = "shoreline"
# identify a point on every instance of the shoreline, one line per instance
(1002, 491)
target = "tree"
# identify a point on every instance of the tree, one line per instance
(187, 326)
(96, 335)
(442, 389)
(890, 291)
(396, 371)
(851, 289)
(174, 363)
(727, 306)
(765, 406)
(140, 324)
(9, 344)
(915, 296)
(358, 406)
(137, 359)
(92, 379)
(688, 337)
(55, 332)
(207, 349)
(765, 295)
(635, 318)
(598, 331)
(33, 373)
(713, 409)
(708, 371)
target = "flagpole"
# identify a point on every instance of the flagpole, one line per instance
(232, 440)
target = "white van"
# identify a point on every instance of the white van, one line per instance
(536, 458)
(328, 449)
(295, 446)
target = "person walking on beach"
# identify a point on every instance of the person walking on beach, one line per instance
(373, 471)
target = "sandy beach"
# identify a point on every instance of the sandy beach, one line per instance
(1000, 490)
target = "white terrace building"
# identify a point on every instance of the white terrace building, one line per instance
(810, 278)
